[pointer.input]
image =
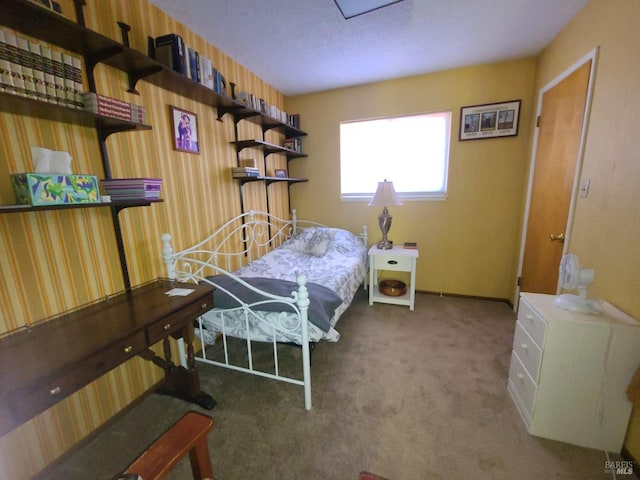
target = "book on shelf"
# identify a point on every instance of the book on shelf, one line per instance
(293, 143)
(58, 76)
(78, 88)
(6, 79)
(294, 120)
(410, 245)
(69, 83)
(24, 59)
(11, 45)
(245, 170)
(49, 74)
(206, 72)
(245, 175)
(219, 83)
(170, 51)
(110, 107)
(38, 70)
(194, 65)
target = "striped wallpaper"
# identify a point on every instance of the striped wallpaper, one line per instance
(54, 261)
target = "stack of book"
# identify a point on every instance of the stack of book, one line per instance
(259, 104)
(110, 107)
(172, 51)
(294, 143)
(32, 70)
(244, 172)
(132, 188)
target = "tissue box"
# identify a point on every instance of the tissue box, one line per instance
(40, 189)
(132, 188)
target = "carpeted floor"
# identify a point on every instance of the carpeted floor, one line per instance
(408, 395)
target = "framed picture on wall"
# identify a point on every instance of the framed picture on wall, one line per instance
(490, 120)
(185, 130)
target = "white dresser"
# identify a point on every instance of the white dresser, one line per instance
(569, 372)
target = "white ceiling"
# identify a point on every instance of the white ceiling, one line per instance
(303, 46)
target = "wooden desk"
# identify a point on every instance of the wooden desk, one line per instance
(43, 364)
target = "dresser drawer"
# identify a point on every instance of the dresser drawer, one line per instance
(399, 263)
(523, 383)
(528, 351)
(533, 323)
(177, 321)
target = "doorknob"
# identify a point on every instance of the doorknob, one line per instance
(559, 237)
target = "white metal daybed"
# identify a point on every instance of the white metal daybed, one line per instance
(277, 281)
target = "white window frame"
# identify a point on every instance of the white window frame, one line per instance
(380, 138)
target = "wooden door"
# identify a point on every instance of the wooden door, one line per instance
(559, 135)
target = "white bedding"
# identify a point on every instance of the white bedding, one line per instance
(331, 257)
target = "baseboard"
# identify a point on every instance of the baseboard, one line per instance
(474, 297)
(628, 457)
(46, 472)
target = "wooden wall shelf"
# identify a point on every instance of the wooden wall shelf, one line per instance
(118, 205)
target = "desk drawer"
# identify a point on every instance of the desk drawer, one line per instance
(29, 401)
(523, 383)
(532, 323)
(177, 321)
(399, 263)
(528, 351)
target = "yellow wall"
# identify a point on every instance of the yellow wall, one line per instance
(53, 261)
(467, 242)
(606, 229)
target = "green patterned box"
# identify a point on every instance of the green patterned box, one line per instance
(41, 189)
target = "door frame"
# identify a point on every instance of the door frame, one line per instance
(593, 56)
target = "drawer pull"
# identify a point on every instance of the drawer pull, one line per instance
(524, 345)
(166, 327)
(520, 375)
(204, 305)
(55, 391)
(128, 349)
(392, 262)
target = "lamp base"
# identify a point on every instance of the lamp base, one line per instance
(385, 245)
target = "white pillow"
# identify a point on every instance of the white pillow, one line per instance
(311, 241)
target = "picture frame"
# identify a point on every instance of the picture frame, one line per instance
(490, 120)
(184, 128)
(280, 173)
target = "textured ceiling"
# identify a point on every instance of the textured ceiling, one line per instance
(302, 46)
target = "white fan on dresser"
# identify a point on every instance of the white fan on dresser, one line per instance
(571, 277)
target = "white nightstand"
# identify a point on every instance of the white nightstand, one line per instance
(397, 259)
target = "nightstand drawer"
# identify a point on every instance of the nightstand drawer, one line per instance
(528, 351)
(523, 383)
(533, 323)
(392, 262)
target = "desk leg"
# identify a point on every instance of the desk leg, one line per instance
(181, 382)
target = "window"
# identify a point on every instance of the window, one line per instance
(412, 151)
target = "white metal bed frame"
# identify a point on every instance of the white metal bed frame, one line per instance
(236, 243)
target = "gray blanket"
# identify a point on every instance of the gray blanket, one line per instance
(322, 300)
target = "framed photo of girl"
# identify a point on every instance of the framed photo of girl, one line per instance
(185, 130)
(490, 120)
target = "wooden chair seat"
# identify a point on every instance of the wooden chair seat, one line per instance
(187, 435)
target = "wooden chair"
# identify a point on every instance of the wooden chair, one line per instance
(187, 435)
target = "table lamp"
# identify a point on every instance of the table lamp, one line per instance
(385, 196)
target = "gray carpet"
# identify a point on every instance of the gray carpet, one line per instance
(406, 395)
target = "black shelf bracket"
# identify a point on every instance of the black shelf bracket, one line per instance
(135, 77)
(124, 31)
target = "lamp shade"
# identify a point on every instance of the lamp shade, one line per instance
(385, 196)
